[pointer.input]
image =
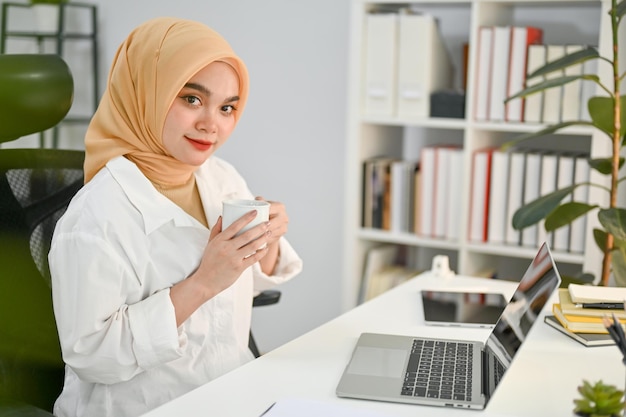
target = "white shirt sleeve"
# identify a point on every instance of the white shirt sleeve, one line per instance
(99, 346)
(289, 264)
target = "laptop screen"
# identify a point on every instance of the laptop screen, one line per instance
(533, 292)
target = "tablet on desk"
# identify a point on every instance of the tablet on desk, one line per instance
(462, 308)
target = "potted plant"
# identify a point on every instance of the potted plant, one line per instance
(599, 400)
(608, 114)
(47, 14)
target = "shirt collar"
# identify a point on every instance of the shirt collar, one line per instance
(142, 194)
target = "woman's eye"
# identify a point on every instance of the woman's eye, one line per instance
(192, 100)
(228, 109)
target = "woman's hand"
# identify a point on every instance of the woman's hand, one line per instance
(278, 222)
(224, 259)
(226, 255)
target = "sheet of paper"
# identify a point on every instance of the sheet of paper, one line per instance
(301, 407)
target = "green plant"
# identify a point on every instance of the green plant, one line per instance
(608, 114)
(598, 400)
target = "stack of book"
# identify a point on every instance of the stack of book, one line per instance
(404, 196)
(506, 56)
(502, 69)
(580, 311)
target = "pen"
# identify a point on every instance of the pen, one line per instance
(620, 332)
(609, 306)
(268, 409)
(611, 329)
(617, 334)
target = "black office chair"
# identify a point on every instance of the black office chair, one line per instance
(265, 298)
(35, 187)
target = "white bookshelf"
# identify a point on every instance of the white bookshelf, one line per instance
(563, 22)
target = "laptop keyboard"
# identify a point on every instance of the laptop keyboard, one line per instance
(439, 369)
(498, 371)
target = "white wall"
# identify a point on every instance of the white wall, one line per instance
(290, 142)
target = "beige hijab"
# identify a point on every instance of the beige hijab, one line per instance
(149, 69)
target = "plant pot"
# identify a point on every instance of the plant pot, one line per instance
(47, 17)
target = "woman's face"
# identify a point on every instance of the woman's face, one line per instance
(202, 115)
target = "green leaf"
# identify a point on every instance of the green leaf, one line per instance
(618, 265)
(604, 165)
(566, 61)
(544, 85)
(546, 131)
(582, 406)
(566, 214)
(621, 9)
(615, 397)
(599, 399)
(599, 236)
(619, 243)
(586, 390)
(601, 112)
(538, 209)
(614, 221)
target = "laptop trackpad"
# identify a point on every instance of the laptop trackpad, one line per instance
(373, 361)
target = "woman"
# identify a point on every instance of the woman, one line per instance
(152, 298)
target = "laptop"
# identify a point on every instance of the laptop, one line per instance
(409, 369)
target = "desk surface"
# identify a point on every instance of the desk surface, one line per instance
(541, 381)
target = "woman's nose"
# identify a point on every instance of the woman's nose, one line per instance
(206, 122)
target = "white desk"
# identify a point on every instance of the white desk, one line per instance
(541, 381)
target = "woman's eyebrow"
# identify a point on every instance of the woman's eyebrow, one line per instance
(198, 87)
(207, 92)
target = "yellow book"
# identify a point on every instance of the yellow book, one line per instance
(581, 324)
(569, 307)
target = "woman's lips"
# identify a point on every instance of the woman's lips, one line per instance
(200, 145)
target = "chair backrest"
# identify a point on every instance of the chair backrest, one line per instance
(36, 185)
(36, 92)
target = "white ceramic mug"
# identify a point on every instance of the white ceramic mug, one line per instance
(232, 210)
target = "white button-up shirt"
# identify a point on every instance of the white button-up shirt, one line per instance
(116, 252)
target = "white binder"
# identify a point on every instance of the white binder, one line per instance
(499, 72)
(533, 108)
(553, 97)
(572, 91)
(380, 64)
(424, 65)
(483, 73)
